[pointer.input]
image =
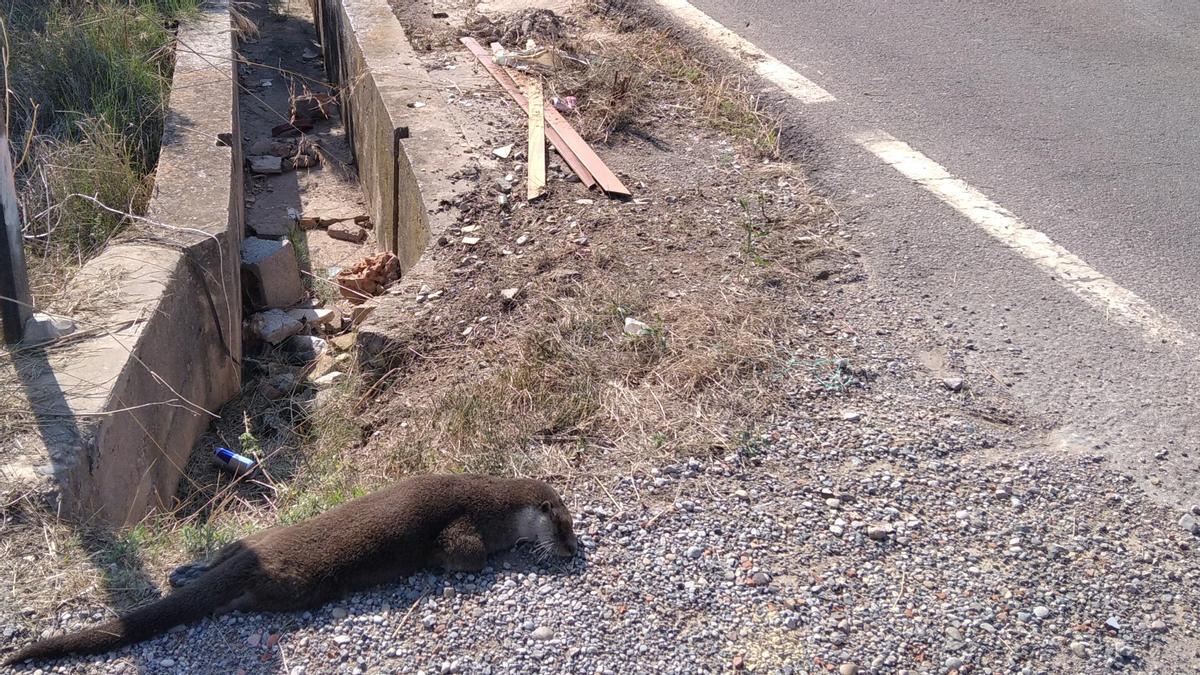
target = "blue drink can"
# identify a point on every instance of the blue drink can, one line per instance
(231, 461)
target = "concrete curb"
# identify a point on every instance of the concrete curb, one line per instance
(405, 153)
(388, 95)
(120, 406)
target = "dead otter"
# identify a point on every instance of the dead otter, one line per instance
(452, 522)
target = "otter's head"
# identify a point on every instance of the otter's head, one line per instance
(552, 528)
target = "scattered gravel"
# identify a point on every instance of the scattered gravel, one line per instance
(867, 547)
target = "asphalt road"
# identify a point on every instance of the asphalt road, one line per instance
(1083, 119)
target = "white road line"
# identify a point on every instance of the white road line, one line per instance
(768, 67)
(1116, 302)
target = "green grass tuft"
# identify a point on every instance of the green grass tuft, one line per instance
(89, 83)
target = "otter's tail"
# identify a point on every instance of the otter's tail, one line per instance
(214, 589)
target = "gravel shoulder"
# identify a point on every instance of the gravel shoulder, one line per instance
(862, 531)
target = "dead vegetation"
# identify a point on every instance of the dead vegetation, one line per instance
(718, 270)
(48, 564)
(87, 85)
(629, 57)
(554, 382)
(625, 50)
(578, 386)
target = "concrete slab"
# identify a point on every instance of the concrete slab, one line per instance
(121, 403)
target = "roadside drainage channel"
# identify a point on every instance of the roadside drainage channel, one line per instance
(406, 137)
(307, 258)
(119, 403)
(416, 153)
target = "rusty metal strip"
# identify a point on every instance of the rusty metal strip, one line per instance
(502, 77)
(607, 179)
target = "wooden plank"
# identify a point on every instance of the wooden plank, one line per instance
(607, 179)
(537, 143)
(501, 76)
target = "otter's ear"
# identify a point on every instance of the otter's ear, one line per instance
(545, 507)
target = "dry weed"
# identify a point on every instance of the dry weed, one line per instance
(579, 389)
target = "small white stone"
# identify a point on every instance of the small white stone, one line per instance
(45, 328)
(329, 379)
(635, 327)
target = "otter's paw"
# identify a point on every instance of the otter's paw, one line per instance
(186, 574)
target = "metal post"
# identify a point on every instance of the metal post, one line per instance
(15, 303)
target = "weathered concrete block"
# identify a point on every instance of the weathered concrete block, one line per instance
(277, 226)
(274, 326)
(266, 164)
(312, 316)
(348, 232)
(270, 274)
(404, 155)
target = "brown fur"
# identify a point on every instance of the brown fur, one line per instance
(425, 521)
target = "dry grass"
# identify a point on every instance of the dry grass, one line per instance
(87, 88)
(628, 54)
(561, 389)
(578, 392)
(626, 50)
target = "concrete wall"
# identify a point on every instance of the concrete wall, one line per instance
(121, 403)
(400, 150)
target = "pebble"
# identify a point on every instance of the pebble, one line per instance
(880, 531)
(1190, 523)
(1041, 612)
(339, 613)
(542, 633)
